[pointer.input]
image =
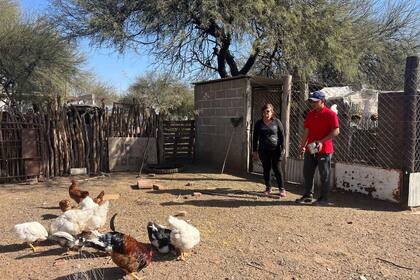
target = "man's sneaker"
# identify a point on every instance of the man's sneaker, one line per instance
(322, 201)
(282, 193)
(305, 199)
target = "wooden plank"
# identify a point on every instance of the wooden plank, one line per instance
(113, 196)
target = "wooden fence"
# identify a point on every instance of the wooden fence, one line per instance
(51, 142)
(176, 140)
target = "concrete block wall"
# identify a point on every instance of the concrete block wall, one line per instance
(216, 102)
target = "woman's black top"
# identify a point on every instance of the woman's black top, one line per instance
(268, 137)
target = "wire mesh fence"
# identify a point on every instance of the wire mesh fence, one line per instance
(377, 128)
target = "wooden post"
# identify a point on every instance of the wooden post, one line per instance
(161, 141)
(285, 111)
(411, 102)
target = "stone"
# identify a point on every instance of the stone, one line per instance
(197, 194)
(157, 187)
(181, 213)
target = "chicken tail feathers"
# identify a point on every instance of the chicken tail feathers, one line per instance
(112, 223)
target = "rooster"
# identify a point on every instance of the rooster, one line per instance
(75, 193)
(126, 252)
(159, 236)
(184, 236)
(100, 198)
(31, 232)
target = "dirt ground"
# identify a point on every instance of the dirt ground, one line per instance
(245, 235)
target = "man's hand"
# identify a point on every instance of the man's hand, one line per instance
(302, 149)
(255, 156)
(319, 146)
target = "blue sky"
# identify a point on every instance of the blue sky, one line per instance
(109, 66)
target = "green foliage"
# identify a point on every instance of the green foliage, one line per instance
(323, 40)
(34, 59)
(88, 84)
(164, 93)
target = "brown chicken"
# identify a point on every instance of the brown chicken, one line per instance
(75, 193)
(128, 253)
(100, 198)
(65, 205)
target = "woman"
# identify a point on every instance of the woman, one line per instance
(268, 140)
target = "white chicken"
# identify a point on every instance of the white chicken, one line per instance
(87, 203)
(76, 221)
(184, 236)
(98, 219)
(31, 232)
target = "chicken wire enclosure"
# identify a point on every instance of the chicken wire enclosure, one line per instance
(417, 134)
(372, 128)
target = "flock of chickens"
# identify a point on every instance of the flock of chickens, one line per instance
(78, 227)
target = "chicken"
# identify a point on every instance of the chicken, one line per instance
(100, 198)
(159, 236)
(67, 240)
(126, 252)
(75, 193)
(184, 236)
(31, 232)
(87, 203)
(98, 219)
(75, 221)
(65, 205)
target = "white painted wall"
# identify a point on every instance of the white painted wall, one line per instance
(414, 190)
(379, 183)
(126, 153)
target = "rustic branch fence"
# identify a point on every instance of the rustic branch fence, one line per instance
(51, 142)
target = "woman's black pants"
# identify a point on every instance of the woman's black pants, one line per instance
(271, 160)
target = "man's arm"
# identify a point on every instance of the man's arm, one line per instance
(304, 141)
(334, 133)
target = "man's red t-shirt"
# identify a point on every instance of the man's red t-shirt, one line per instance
(320, 124)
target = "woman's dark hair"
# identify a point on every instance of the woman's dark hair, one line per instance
(267, 106)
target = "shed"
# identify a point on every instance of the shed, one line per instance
(218, 103)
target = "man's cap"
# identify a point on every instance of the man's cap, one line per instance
(317, 95)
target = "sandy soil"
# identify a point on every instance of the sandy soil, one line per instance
(245, 235)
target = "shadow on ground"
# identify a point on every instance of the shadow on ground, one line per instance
(242, 198)
(108, 273)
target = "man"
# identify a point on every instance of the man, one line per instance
(321, 127)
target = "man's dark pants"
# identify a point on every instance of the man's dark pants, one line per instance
(310, 163)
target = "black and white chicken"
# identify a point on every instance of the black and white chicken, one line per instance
(160, 237)
(68, 241)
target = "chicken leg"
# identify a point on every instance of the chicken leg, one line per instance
(33, 248)
(183, 256)
(133, 274)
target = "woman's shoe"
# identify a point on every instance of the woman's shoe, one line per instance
(282, 193)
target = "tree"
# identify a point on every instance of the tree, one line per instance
(88, 84)
(34, 58)
(232, 38)
(164, 93)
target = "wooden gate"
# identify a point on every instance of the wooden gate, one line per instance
(176, 140)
